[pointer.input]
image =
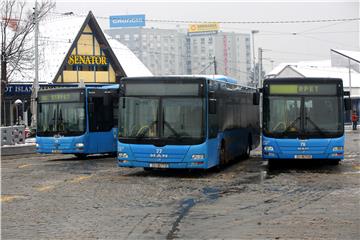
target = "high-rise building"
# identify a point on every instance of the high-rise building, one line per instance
(229, 53)
(163, 51)
(167, 52)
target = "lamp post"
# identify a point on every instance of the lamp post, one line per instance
(18, 102)
(253, 32)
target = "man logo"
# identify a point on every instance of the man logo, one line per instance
(302, 144)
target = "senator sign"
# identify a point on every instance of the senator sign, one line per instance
(87, 60)
(127, 21)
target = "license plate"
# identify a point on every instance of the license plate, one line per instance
(159, 165)
(56, 151)
(303, 156)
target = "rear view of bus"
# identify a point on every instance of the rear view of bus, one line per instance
(77, 121)
(184, 122)
(303, 118)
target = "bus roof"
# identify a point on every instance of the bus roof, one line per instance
(303, 80)
(76, 87)
(219, 78)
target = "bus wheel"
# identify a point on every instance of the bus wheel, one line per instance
(223, 157)
(247, 151)
(334, 162)
(147, 169)
(80, 155)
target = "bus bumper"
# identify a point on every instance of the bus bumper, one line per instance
(62, 145)
(167, 157)
(332, 148)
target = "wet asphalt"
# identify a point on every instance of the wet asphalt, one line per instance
(61, 197)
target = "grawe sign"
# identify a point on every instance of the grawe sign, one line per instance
(127, 21)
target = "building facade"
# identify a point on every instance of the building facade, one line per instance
(73, 50)
(222, 53)
(167, 52)
(163, 51)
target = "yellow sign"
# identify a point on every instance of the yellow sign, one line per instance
(85, 59)
(204, 27)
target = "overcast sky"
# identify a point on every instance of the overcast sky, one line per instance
(282, 42)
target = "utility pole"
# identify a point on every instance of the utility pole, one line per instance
(35, 86)
(259, 84)
(349, 76)
(215, 68)
(253, 32)
(260, 67)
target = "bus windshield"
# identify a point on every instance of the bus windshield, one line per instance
(67, 119)
(291, 116)
(161, 118)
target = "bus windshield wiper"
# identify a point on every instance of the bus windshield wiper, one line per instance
(287, 130)
(315, 125)
(174, 132)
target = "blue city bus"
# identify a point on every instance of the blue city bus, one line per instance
(185, 122)
(303, 118)
(78, 121)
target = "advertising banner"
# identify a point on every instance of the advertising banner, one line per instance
(127, 21)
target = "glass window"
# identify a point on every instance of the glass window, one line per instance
(138, 117)
(101, 114)
(182, 117)
(322, 114)
(283, 114)
(61, 118)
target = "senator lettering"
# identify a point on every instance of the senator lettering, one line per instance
(87, 60)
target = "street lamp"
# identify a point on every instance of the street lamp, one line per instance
(253, 32)
(18, 102)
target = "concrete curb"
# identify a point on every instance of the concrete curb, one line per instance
(18, 149)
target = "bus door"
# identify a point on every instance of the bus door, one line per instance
(101, 121)
(213, 129)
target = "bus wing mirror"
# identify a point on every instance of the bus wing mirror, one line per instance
(40, 108)
(212, 106)
(256, 98)
(347, 104)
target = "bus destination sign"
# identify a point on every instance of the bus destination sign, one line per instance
(60, 97)
(303, 89)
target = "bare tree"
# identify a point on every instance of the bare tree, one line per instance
(17, 26)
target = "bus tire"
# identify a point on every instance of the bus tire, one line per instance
(223, 155)
(247, 151)
(147, 169)
(334, 162)
(246, 154)
(80, 155)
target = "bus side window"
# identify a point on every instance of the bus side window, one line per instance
(212, 116)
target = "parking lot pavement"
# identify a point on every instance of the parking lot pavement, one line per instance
(61, 197)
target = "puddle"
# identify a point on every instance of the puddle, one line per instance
(211, 193)
(185, 206)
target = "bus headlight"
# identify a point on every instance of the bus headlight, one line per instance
(268, 148)
(338, 148)
(198, 156)
(37, 145)
(123, 155)
(79, 145)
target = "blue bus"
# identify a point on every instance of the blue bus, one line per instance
(185, 121)
(78, 121)
(303, 118)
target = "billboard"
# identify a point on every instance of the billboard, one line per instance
(127, 21)
(203, 28)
